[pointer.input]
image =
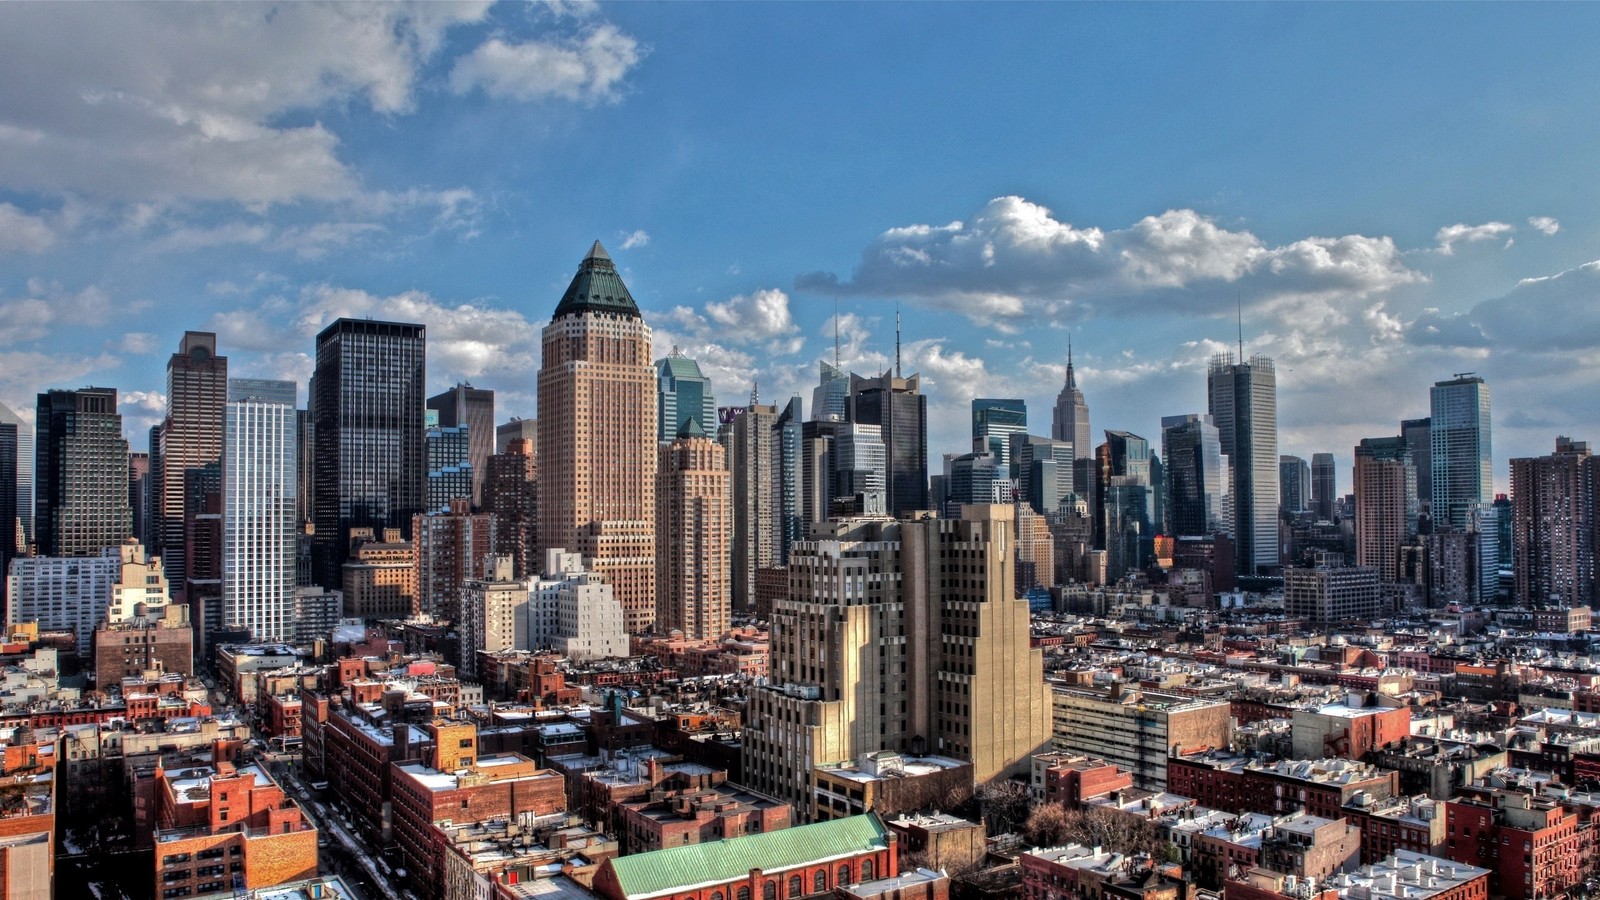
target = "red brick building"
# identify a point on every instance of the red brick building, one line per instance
(673, 818)
(1235, 784)
(1071, 779)
(1534, 846)
(216, 822)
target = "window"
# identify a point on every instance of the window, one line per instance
(820, 883)
(844, 875)
(796, 886)
(770, 891)
(742, 893)
(866, 870)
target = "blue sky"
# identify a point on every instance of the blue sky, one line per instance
(1393, 193)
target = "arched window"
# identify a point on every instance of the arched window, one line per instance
(716, 895)
(770, 891)
(844, 874)
(820, 883)
(796, 886)
(866, 870)
(742, 893)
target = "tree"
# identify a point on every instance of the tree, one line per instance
(1047, 825)
(1004, 805)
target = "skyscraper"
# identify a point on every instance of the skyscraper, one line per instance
(517, 429)
(900, 410)
(451, 472)
(1294, 484)
(138, 495)
(1042, 468)
(993, 424)
(366, 412)
(753, 457)
(682, 392)
(1244, 404)
(511, 493)
(788, 511)
(81, 467)
(1193, 452)
(1553, 507)
(860, 460)
(830, 399)
(597, 435)
(259, 497)
(9, 522)
(1386, 503)
(450, 550)
(1463, 487)
(1071, 420)
(465, 405)
(1129, 507)
(21, 480)
(877, 647)
(693, 527)
(190, 436)
(1417, 434)
(1324, 486)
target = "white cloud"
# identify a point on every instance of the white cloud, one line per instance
(25, 373)
(589, 67)
(47, 304)
(634, 239)
(1015, 265)
(136, 342)
(1548, 313)
(1544, 225)
(23, 233)
(759, 317)
(1450, 235)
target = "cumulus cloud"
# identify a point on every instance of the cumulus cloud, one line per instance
(46, 305)
(136, 342)
(1016, 264)
(632, 239)
(24, 373)
(21, 232)
(1544, 225)
(1450, 235)
(760, 318)
(589, 67)
(1552, 312)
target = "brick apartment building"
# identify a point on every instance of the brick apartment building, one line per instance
(1237, 784)
(1534, 846)
(670, 817)
(218, 821)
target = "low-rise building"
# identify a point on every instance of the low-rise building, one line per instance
(1136, 730)
(217, 823)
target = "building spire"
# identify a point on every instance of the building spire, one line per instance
(1072, 381)
(1238, 306)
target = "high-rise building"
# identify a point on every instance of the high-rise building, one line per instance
(597, 435)
(67, 593)
(1386, 504)
(517, 429)
(1463, 475)
(1294, 484)
(494, 613)
(380, 575)
(788, 512)
(1129, 504)
(1244, 405)
(994, 422)
(511, 494)
(694, 522)
(1042, 469)
(138, 496)
(830, 399)
(450, 548)
(972, 478)
(1194, 469)
(258, 508)
(878, 645)
(1553, 507)
(682, 393)
(367, 400)
(1324, 486)
(81, 472)
(448, 449)
(472, 408)
(753, 457)
(21, 438)
(1417, 433)
(1330, 594)
(11, 537)
(860, 461)
(897, 406)
(305, 456)
(1071, 420)
(189, 436)
(816, 469)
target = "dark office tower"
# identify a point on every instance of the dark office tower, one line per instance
(1386, 503)
(830, 399)
(752, 458)
(1459, 434)
(190, 436)
(448, 450)
(81, 465)
(1042, 468)
(993, 424)
(366, 417)
(1129, 505)
(816, 469)
(970, 478)
(465, 405)
(1294, 484)
(138, 495)
(10, 523)
(1194, 475)
(1553, 525)
(1071, 420)
(517, 430)
(788, 491)
(682, 393)
(511, 493)
(1416, 433)
(597, 435)
(1244, 405)
(21, 483)
(900, 411)
(1324, 490)
(305, 455)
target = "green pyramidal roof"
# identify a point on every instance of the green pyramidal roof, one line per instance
(691, 429)
(643, 875)
(597, 288)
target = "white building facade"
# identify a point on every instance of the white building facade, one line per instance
(259, 481)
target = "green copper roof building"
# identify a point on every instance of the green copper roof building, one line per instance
(803, 851)
(597, 288)
(683, 394)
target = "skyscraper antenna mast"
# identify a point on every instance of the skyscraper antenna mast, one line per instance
(836, 332)
(897, 340)
(1238, 306)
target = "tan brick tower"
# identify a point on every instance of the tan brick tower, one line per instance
(597, 435)
(694, 525)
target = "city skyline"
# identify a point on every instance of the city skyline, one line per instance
(334, 195)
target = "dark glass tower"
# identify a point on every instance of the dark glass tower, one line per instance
(994, 421)
(1194, 475)
(82, 471)
(1244, 404)
(366, 411)
(473, 408)
(900, 411)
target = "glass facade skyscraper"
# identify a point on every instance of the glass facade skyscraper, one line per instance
(900, 410)
(471, 408)
(682, 393)
(1244, 406)
(366, 409)
(1194, 462)
(81, 467)
(259, 484)
(994, 421)
(1463, 474)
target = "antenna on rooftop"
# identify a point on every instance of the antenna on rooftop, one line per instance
(897, 339)
(1238, 307)
(836, 332)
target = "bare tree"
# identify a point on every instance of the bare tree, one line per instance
(1004, 805)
